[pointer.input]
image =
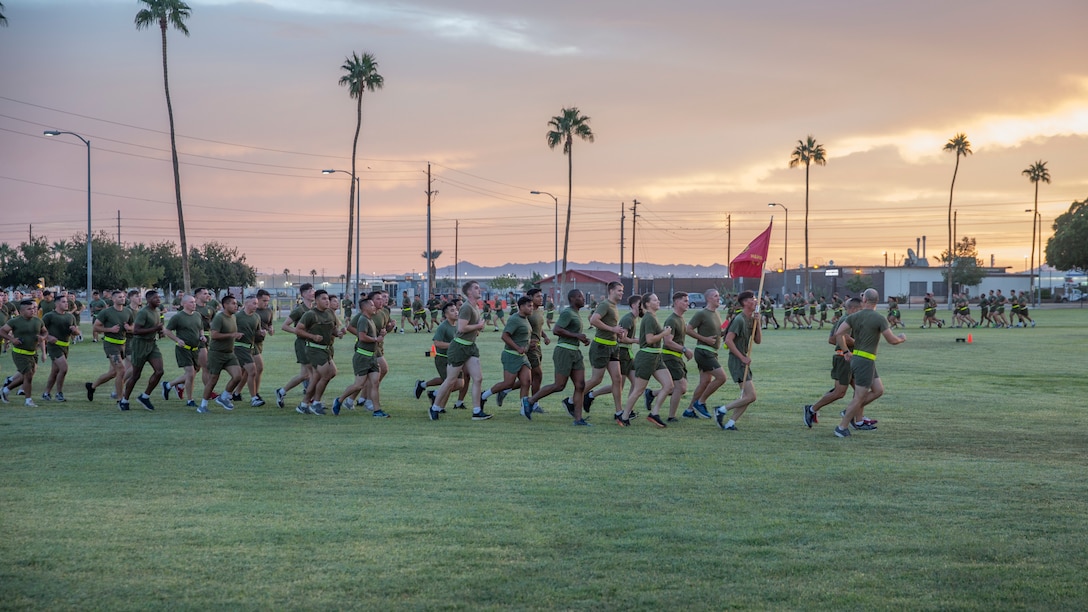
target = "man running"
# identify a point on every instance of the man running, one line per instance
(145, 350)
(112, 323)
(515, 364)
(604, 352)
(840, 370)
(741, 331)
(318, 327)
(706, 327)
(464, 355)
(866, 326)
(61, 326)
(306, 292)
(186, 330)
(25, 332)
(567, 357)
(224, 332)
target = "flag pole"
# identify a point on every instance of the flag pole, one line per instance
(756, 316)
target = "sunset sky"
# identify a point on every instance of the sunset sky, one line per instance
(696, 107)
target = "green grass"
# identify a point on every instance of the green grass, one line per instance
(971, 495)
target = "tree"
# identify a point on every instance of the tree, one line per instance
(137, 269)
(432, 258)
(959, 145)
(1067, 249)
(362, 75)
(174, 13)
(109, 258)
(313, 276)
(1036, 172)
(219, 266)
(859, 282)
(966, 270)
(564, 127)
(533, 282)
(33, 261)
(165, 255)
(807, 152)
(504, 283)
(3, 20)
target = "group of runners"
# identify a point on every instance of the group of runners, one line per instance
(625, 354)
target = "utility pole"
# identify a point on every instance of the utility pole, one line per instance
(634, 256)
(118, 228)
(430, 275)
(729, 246)
(623, 217)
(456, 257)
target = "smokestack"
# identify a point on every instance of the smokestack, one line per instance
(991, 260)
(918, 245)
(923, 247)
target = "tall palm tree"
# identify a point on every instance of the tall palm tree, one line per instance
(807, 152)
(431, 258)
(564, 127)
(174, 13)
(959, 145)
(1036, 173)
(361, 75)
(313, 277)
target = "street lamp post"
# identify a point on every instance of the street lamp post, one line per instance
(555, 277)
(358, 224)
(88, 143)
(785, 249)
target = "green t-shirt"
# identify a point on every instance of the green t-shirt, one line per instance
(46, 306)
(536, 323)
(207, 313)
(365, 324)
(98, 306)
(609, 315)
(571, 321)
(649, 327)
(187, 327)
(470, 314)
(444, 333)
(519, 329)
(266, 317)
(708, 323)
(676, 322)
(26, 330)
(226, 324)
(742, 328)
(320, 323)
(146, 318)
(248, 324)
(59, 325)
(110, 317)
(866, 327)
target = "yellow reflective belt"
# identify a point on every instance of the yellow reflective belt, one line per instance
(243, 344)
(514, 353)
(673, 353)
(566, 346)
(23, 352)
(707, 348)
(192, 348)
(463, 341)
(314, 345)
(869, 356)
(650, 349)
(364, 352)
(63, 343)
(437, 354)
(112, 340)
(605, 342)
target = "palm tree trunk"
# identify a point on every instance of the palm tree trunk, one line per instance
(1031, 277)
(351, 194)
(186, 278)
(951, 255)
(566, 230)
(806, 278)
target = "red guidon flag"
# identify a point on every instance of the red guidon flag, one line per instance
(749, 264)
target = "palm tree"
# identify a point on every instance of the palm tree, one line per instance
(362, 75)
(313, 277)
(3, 20)
(174, 13)
(1036, 172)
(959, 145)
(808, 152)
(431, 258)
(564, 127)
(286, 275)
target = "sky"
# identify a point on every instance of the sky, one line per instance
(696, 106)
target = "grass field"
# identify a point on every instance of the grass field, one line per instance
(971, 494)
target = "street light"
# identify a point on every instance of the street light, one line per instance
(358, 225)
(785, 248)
(88, 143)
(555, 277)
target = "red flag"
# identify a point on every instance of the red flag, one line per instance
(749, 264)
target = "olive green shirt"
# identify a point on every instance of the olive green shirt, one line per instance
(226, 324)
(247, 324)
(469, 313)
(610, 316)
(59, 325)
(571, 321)
(649, 327)
(519, 329)
(187, 327)
(866, 327)
(26, 331)
(320, 323)
(110, 317)
(708, 323)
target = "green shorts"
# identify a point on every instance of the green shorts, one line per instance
(364, 365)
(440, 364)
(55, 351)
(646, 364)
(676, 366)
(187, 358)
(535, 356)
(566, 359)
(24, 364)
(243, 355)
(317, 357)
(840, 370)
(114, 352)
(513, 362)
(145, 355)
(300, 352)
(626, 361)
(258, 348)
(601, 354)
(864, 371)
(219, 361)
(736, 370)
(706, 360)
(459, 353)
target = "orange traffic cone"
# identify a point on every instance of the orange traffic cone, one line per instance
(969, 339)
